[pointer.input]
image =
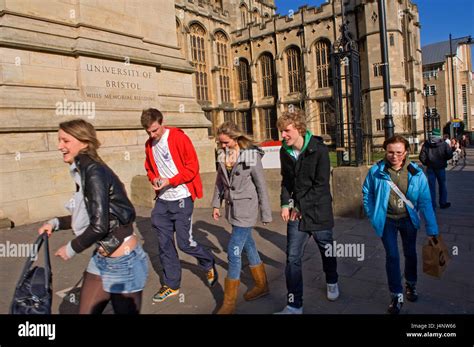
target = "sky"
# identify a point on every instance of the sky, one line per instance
(438, 18)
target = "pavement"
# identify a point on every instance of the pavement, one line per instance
(362, 282)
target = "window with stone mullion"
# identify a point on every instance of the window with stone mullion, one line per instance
(267, 75)
(293, 70)
(198, 53)
(243, 80)
(322, 64)
(224, 79)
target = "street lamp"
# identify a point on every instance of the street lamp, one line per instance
(347, 102)
(302, 70)
(430, 119)
(454, 87)
(385, 71)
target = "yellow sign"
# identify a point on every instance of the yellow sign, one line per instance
(456, 120)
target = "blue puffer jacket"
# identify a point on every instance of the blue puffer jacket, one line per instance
(376, 192)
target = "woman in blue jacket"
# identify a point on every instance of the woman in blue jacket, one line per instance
(394, 192)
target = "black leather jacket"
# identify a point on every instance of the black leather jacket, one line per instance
(107, 205)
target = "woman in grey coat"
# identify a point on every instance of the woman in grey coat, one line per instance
(240, 182)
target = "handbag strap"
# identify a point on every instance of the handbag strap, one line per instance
(400, 194)
(76, 285)
(47, 273)
(70, 291)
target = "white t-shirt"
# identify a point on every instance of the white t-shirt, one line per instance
(76, 205)
(296, 153)
(167, 169)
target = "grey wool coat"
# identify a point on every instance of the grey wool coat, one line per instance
(245, 191)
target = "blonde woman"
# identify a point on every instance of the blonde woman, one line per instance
(101, 216)
(240, 182)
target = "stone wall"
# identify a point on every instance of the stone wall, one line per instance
(101, 61)
(346, 189)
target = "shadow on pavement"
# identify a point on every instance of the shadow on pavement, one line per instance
(200, 230)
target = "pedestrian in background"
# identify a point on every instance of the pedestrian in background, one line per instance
(464, 143)
(456, 149)
(435, 154)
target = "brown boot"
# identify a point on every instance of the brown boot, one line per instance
(230, 296)
(261, 284)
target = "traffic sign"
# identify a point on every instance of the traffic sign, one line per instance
(456, 120)
(456, 125)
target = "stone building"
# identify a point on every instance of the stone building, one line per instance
(104, 61)
(251, 64)
(199, 61)
(438, 81)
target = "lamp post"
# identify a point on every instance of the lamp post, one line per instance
(452, 131)
(347, 99)
(302, 70)
(386, 71)
(426, 115)
(430, 119)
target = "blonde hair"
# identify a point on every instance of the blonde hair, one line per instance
(297, 118)
(84, 132)
(235, 133)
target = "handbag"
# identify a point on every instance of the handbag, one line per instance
(71, 300)
(33, 293)
(435, 256)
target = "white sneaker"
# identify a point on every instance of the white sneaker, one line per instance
(291, 310)
(332, 291)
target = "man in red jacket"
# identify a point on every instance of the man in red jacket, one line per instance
(173, 170)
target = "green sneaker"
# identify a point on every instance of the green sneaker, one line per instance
(164, 293)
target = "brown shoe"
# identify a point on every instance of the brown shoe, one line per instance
(261, 284)
(230, 296)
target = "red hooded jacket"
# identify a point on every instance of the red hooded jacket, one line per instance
(184, 157)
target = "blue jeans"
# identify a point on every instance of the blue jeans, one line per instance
(241, 240)
(440, 175)
(392, 261)
(296, 242)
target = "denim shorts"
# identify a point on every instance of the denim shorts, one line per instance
(125, 274)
